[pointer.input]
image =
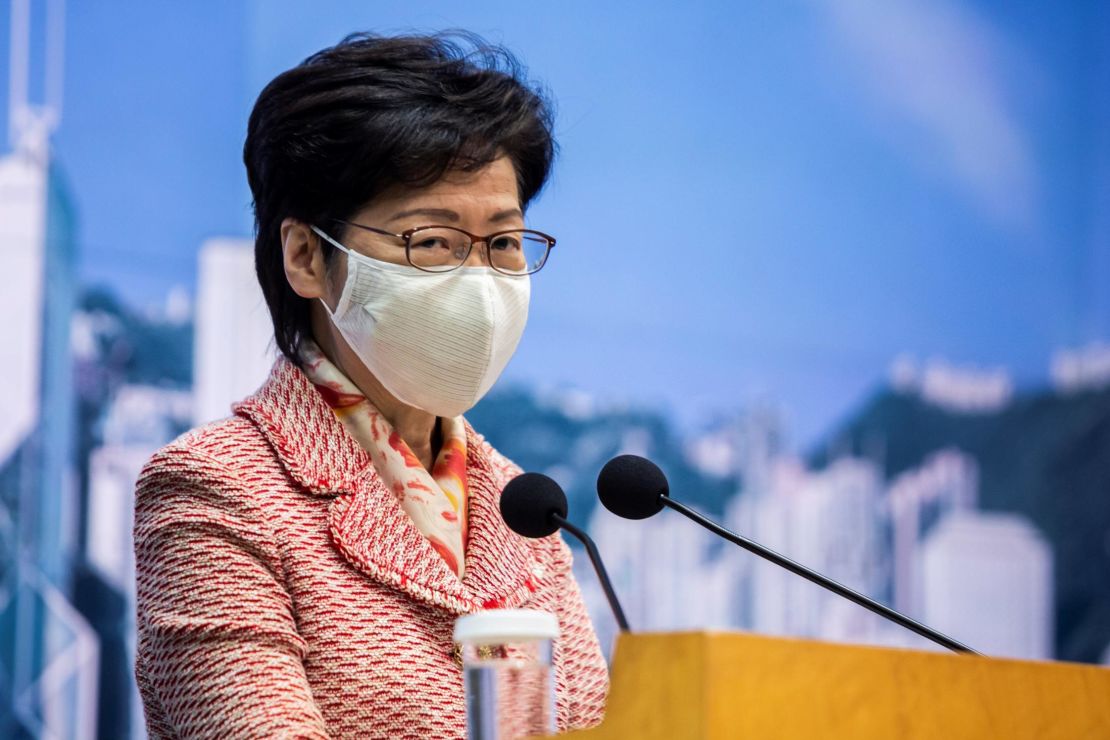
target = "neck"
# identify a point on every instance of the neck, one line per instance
(419, 429)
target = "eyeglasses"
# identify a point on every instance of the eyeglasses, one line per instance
(446, 248)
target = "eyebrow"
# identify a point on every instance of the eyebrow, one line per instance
(452, 216)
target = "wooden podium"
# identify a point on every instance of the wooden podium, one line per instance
(731, 685)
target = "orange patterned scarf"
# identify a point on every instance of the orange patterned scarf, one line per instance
(436, 501)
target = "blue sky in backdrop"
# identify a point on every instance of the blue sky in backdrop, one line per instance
(754, 201)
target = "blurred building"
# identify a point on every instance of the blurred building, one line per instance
(745, 446)
(826, 520)
(659, 568)
(947, 482)
(1080, 369)
(987, 581)
(667, 571)
(232, 354)
(49, 654)
(953, 388)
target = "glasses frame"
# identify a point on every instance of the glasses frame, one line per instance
(407, 234)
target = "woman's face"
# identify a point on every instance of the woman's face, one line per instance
(481, 202)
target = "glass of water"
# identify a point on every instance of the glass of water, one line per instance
(506, 655)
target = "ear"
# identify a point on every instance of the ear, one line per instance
(304, 259)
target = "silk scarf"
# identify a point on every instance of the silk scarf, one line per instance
(436, 500)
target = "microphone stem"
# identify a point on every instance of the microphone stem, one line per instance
(820, 580)
(599, 567)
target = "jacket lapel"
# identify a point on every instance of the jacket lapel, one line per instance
(307, 439)
(501, 566)
(367, 524)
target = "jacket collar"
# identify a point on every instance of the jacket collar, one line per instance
(366, 523)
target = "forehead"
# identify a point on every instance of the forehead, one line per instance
(493, 186)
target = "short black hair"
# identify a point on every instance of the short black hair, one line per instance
(371, 112)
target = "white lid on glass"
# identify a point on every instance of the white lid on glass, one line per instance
(506, 625)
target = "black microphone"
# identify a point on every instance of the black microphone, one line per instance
(634, 487)
(534, 505)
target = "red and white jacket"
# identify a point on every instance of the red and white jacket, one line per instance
(283, 592)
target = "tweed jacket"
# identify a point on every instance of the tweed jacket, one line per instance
(283, 592)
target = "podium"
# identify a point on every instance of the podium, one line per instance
(733, 685)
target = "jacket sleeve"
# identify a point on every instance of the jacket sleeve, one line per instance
(584, 669)
(219, 654)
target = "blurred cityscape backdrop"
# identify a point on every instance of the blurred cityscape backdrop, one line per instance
(841, 269)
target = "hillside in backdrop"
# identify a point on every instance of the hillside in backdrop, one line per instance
(1045, 455)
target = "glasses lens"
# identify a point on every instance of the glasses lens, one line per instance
(519, 252)
(438, 248)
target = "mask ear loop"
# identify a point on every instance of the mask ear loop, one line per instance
(320, 233)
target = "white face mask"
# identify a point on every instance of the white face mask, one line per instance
(436, 341)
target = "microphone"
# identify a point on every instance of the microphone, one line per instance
(634, 487)
(534, 505)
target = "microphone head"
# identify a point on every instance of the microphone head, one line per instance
(632, 487)
(528, 502)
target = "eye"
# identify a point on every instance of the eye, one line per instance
(506, 242)
(430, 242)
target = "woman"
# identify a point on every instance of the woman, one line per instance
(301, 564)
